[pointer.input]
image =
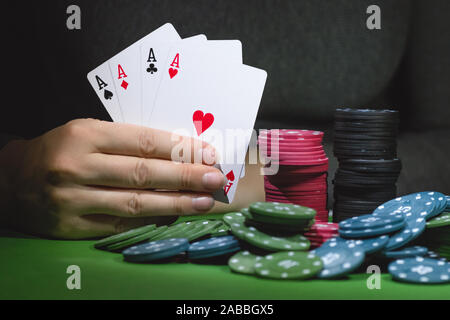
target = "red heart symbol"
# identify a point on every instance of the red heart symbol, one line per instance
(172, 72)
(201, 121)
(230, 176)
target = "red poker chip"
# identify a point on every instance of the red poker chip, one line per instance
(308, 197)
(269, 147)
(300, 160)
(299, 188)
(313, 201)
(289, 137)
(311, 190)
(325, 226)
(294, 156)
(283, 180)
(293, 153)
(290, 170)
(290, 143)
(284, 144)
(310, 186)
(294, 132)
(300, 180)
(316, 203)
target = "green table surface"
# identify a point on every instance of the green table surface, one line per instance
(32, 268)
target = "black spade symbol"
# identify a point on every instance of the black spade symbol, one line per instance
(108, 94)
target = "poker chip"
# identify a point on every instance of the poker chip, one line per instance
(415, 207)
(371, 232)
(121, 245)
(289, 265)
(321, 232)
(366, 148)
(283, 211)
(302, 168)
(339, 258)
(155, 250)
(243, 262)
(407, 252)
(264, 240)
(420, 270)
(370, 221)
(369, 245)
(212, 247)
(123, 236)
(441, 220)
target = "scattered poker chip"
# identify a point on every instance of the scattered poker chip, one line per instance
(420, 270)
(202, 228)
(371, 232)
(339, 258)
(289, 265)
(156, 250)
(119, 246)
(212, 245)
(441, 220)
(231, 217)
(287, 211)
(215, 253)
(369, 245)
(265, 241)
(243, 262)
(407, 252)
(123, 236)
(370, 221)
(416, 208)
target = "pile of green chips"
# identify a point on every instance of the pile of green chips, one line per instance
(437, 235)
(271, 226)
(191, 230)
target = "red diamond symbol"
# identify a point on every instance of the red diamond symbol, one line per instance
(124, 84)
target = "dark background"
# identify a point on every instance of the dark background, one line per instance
(319, 55)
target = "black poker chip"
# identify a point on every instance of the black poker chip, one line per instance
(365, 143)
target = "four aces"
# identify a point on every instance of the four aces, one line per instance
(173, 84)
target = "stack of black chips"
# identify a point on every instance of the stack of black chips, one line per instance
(365, 143)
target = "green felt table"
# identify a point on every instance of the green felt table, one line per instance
(33, 268)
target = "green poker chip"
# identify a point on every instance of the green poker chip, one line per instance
(135, 240)
(202, 228)
(222, 230)
(282, 210)
(174, 231)
(243, 262)
(441, 220)
(289, 265)
(123, 236)
(231, 217)
(262, 240)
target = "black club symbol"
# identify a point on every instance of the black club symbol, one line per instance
(151, 68)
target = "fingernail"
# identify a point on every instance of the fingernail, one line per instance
(202, 203)
(213, 180)
(209, 155)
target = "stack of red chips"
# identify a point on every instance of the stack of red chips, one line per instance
(302, 174)
(321, 232)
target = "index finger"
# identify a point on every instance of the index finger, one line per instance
(144, 142)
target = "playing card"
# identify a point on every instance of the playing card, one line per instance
(228, 51)
(153, 55)
(214, 98)
(125, 67)
(101, 81)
